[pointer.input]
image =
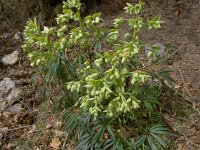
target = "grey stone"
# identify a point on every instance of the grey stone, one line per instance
(5, 86)
(161, 51)
(5, 35)
(11, 58)
(15, 108)
(13, 95)
(17, 35)
(8, 91)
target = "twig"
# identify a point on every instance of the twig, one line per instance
(189, 121)
(184, 83)
(190, 98)
(23, 104)
(39, 130)
(65, 141)
(13, 129)
(180, 48)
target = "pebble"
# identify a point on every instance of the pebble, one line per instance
(161, 51)
(15, 108)
(11, 58)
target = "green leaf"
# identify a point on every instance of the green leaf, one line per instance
(111, 133)
(84, 142)
(159, 129)
(151, 143)
(108, 144)
(154, 22)
(118, 22)
(159, 140)
(140, 141)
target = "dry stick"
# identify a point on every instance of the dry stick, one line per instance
(17, 128)
(23, 104)
(65, 141)
(39, 130)
(189, 121)
(190, 99)
(180, 48)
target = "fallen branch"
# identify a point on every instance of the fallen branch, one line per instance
(197, 125)
(65, 141)
(5, 129)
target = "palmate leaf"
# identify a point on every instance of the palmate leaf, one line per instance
(140, 141)
(111, 133)
(152, 138)
(65, 116)
(69, 66)
(93, 139)
(159, 140)
(72, 122)
(108, 144)
(85, 121)
(119, 145)
(151, 143)
(159, 129)
(70, 99)
(84, 142)
(97, 136)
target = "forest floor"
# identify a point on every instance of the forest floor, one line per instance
(36, 124)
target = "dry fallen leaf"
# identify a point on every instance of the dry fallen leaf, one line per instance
(178, 11)
(9, 146)
(55, 143)
(181, 146)
(176, 86)
(58, 124)
(33, 128)
(59, 133)
(48, 126)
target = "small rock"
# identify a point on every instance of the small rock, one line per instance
(161, 50)
(8, 91)
(5, 35)
(11, 58)
(13, 95)
(15, 108)
(5, 86)
(16, 36)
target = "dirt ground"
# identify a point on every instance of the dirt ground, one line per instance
(180, 33)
